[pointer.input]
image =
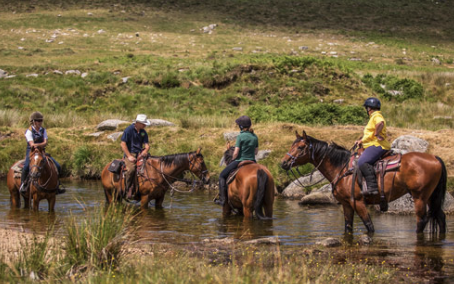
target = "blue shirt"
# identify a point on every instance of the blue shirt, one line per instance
(134, 140)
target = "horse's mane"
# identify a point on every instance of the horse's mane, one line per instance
(337, 155)
(176, 159)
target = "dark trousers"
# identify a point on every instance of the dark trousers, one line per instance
(370, 155)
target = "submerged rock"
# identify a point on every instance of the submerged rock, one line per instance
(329, 242)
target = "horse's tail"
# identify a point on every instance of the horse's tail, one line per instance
(262, 179)
(436, 200)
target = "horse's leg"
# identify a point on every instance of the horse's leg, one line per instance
(51, 202)
(421, 215)
(247, 212)
(226, 210)
(159, 201)
(35, 202)
(144, 202)
(348, 216)
(361, 210)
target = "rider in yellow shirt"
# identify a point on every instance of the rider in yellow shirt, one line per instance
(374, 143)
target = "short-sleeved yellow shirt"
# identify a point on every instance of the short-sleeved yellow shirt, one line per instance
(369, 138)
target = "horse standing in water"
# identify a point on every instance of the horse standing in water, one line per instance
(43, 181)
(423, 175)
(251, 190)
(156, 177)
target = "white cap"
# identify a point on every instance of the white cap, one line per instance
(142, 118)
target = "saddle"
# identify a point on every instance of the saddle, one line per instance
(17, 168)
(118, 168)
(232, 174)
(388, 162)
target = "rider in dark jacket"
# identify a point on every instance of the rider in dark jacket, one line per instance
(246, 148)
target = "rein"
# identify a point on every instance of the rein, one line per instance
(310, 174)
(172, 187)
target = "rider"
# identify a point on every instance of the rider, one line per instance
(134, 144)
(246, 148)
(36, 136)
(374, 143)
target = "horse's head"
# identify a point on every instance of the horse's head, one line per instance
(228, 154)
(37, 160)
(198, 167)
(299, 153)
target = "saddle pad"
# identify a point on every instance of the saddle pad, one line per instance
(115, 166)
(232, 174)
(18, 166)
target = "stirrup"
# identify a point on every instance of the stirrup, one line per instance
(23, 188)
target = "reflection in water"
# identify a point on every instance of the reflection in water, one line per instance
(189, 218)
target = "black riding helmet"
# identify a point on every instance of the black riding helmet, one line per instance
(244, 121)
(373, 103)
(36, 116)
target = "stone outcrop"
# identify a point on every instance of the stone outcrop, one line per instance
(110, 124)
(407, 143)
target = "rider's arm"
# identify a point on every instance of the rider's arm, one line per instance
(146, 147)
(256, 151)
(235, 153)
(378, 129)
(42, 144)
(126, 151)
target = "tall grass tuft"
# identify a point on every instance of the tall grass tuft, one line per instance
(97, 242)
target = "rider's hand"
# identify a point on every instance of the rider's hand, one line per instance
(358, 142)
(379, 137)
(131, 159)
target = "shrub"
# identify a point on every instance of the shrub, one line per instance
(411, 89)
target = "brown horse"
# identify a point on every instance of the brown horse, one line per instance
(157, 176)
(44, 181)
(422, 175)
(251, 190)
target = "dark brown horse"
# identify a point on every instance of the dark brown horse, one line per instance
(422, 175)
(44, 181)
(158, 175)
(251, 190)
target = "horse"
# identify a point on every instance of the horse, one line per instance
(251, 190)
(423, 175)
(157, 176)
(43, 182)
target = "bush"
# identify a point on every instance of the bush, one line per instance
(411, 89)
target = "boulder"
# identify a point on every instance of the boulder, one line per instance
(231, 136)
(295, 191)
(268, 241)
(96, 134)
(160, 122)
(114, 136)
(110, 124)
(319, 196)
(405, 205)
(407, 143)
(329, 242)
(3, 73)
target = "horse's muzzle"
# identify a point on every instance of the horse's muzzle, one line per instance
(285, 165)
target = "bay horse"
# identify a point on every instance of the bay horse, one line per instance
(251, 190)
(423, 175)
(158, 174)
(43, 182)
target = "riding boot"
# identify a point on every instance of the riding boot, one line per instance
(23, 184)
(129, 185)
(371, 179)
(222, 192)
(60, 190)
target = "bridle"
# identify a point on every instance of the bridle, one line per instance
(311, 151)
(165, 176)
(36, 174)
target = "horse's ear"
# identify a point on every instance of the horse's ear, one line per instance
(228, 145)
(297, 135)
(199, 150)
(304, 135)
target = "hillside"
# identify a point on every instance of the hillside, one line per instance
(288, 64)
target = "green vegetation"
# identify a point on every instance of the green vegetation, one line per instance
(282, 65)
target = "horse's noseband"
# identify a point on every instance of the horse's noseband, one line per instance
(294, 158)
